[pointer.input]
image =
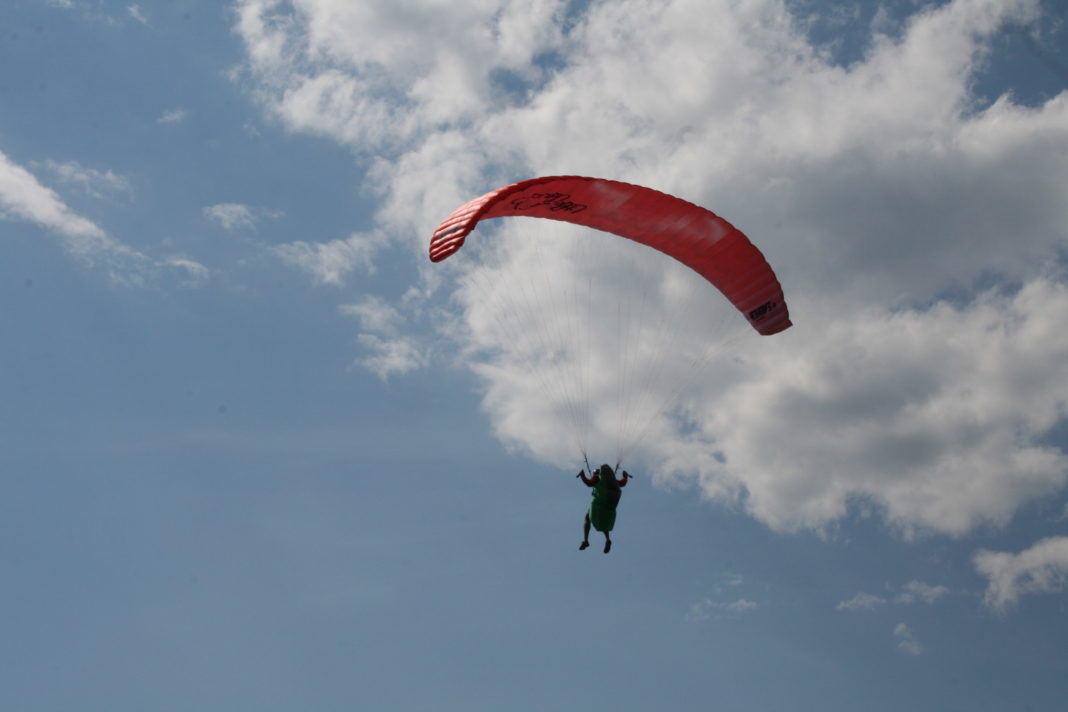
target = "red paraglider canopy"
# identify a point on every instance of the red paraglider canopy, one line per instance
(694, 236)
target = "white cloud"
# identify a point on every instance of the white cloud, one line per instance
(231, 215)
(874, 189)
(173, 116)
(709, 609)
(374, 73)
(1043, 568)
(861, 602)
(910, 593)
(195, 273)
(96, 183)
(390, 357)
(735, 580)
(24, 198)
(906, 640)
(374, 315)
(741, 606)
(329, 262)
(935, 415)
(138, 14)
(236, 215)
(920, 592)
(386, 351)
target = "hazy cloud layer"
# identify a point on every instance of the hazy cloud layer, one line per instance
(883, 192)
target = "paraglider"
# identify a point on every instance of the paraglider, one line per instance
(691, 235)
(694, 236)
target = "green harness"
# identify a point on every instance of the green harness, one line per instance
(606, 494)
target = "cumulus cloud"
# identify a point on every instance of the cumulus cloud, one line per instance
(883, 192)
(936, 415)
(322, 72)
(1043, 568)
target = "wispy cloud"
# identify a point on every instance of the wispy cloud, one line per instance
(24, 198)
(913, 592)
(100, 184)
(330, 262)
(230, 215)
(725, 601)
(387, 351)
(906, 640)
(173, 116)
(236, 215)
(374, 314)
(1043, 568)
(861, 602)
(193, 273)
(709, 609)
(919, 592)
(138, 14)
(390, 356)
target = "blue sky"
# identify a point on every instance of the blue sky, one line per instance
(256, 452)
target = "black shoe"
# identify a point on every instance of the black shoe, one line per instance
(608, 546)
(583, 545)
